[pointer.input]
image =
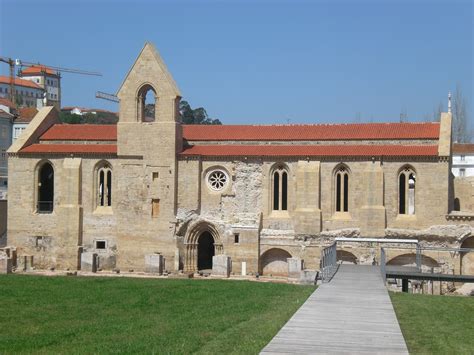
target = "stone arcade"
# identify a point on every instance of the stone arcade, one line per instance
(151, 191)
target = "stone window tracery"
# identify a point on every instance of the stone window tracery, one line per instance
(217, 180)
(342, 189)
(280, 189)
(406, 191)
(104, 186)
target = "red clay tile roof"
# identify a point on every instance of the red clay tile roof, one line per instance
(311, 150)
(467, 148)
(38, 69)
(7, 103)
(258, 133)
(20, 82)
(27, 114)
(312, 132)
(80, 132)
(71, 148)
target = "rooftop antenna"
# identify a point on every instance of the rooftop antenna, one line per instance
(449, 101)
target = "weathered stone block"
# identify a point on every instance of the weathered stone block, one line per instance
(5, 264)
(295, 265)
(89, 261)
(308, 277)
(154, 263)
(221, 265)
(244, 268)
(25, 262)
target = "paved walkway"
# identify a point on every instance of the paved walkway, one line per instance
(351, 314)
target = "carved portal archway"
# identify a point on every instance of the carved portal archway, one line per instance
(199, 233)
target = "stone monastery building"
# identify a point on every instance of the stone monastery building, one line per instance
(258, 194)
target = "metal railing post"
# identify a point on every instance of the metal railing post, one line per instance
(418, 257)
(328, 262)
(382, 264)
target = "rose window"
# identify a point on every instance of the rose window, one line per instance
(217, 180)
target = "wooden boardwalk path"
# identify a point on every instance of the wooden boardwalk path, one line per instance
(351, 314)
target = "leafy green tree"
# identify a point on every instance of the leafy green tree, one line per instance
(89, 118)
(72, 118)
(195, 116)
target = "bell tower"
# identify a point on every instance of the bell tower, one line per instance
(155, 137)
(148, 142)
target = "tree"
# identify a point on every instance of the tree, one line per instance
(89, 118)
(460, 118)
(67, 117)
(460, 126)
(436, 115)
(195, 116)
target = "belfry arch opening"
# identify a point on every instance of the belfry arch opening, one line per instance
(146, 104)
(205, 251)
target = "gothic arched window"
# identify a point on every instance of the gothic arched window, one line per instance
(104, 185)
(45, 202)
(406, 191)
(342, 189)
(280, 189)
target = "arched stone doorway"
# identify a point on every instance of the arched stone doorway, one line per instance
(467, 259)
(273, 262)
(205, 251)
(202, 242)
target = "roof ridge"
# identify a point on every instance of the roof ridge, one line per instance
(314, 124)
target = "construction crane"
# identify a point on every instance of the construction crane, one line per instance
(11, 63)
(105, 96)
(17, 62)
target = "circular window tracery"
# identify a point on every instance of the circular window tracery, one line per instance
(217, 180)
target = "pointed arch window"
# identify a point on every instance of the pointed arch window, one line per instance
(45, 202)
(280, 189)
(146, 104)
(104, 185)
(406, 191)
(342, 189)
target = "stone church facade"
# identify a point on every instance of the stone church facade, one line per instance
(258, 194)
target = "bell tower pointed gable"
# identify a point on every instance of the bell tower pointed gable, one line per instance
(148, 52)
(148, 72)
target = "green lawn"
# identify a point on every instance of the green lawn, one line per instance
(436, 324)
(111, 315)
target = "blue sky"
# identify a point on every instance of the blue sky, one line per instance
(259, 61)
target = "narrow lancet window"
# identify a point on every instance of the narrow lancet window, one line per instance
(342, 190)
(406, 191)
(45, 189)
(104, 186)
(280, 189)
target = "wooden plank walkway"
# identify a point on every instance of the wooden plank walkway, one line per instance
(351, 314)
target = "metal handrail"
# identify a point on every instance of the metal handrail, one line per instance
(328, 262)
(382, 265)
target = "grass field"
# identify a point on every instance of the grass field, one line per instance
(436, 324)
(124, 315)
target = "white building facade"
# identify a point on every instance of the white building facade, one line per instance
(47, 79)
(28, 93)
(463, 160)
